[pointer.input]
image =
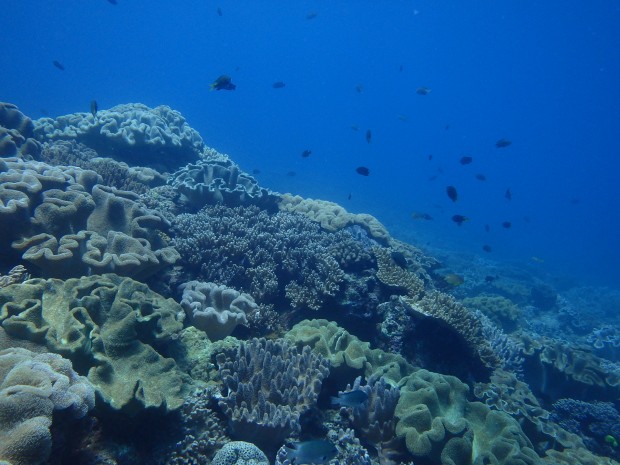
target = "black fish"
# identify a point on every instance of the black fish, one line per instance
(400, 68)
(223, 82)
(349, 198)
(502, 143)
(399, 258)
(311, 15)
(93, 107)
(451, 191)
(508, 194)
(113, 2)
(278, 85)
(487, 248)
(219, 11)
(362, 170)
(423, 91)
(368, 136)
(291, 174)
(487, 228)
(359, 88)
(58, 65)
(353, 398)
(466, 160)
(459, 219)
(430, 157)
(481, 177)
(306, 153)
(506, 224)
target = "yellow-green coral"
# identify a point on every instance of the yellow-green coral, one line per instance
(500, 310)
(391, 274)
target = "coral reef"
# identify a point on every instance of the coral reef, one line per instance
(392, 275)
(133, 133)
(240, 453)
(109, 327)
(217, 310)
(67, 225)
(32, 387)
(209, 182)
(268, 385)
(500, 310)
(267, 256)
(17, 274)
(334, 217)
(16, 133)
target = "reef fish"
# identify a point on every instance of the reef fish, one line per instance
(306, 153)
(487, 248)
(421, 216)
(459, 219)
(362, 170)
(223, 82)
(508, 194)
(453, 279)
(278, 85)
(368, 136)
(452, 194)
(317, 451)
(506, 224)
(113, 2)
(93, 107)
(481, 177)
(353, 398)
(502, 143)
(423, 91)
(466, 160)
(58, 65)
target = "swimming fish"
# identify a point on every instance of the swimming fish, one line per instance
(306, 153)
(368, 136)
(466, 160)
(508, 194)
(312, 15)
(502, 143)
(451, 191)
(113, 2)
(421, 216)
(481, 177)
(349, 197)
(362, 170)
(219, 11)
(223, 82)
(487, 248)
(359, 88)
(93, 107)
(430, 157)
(487, 228)
(423, 91)
(58, 65)
(453, 279)
(278, 85)
(290, 174)
(506, 224)
(353, 398)
(459, 219)
(355, 127)
(317, 451)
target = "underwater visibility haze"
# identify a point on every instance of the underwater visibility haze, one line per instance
(375, 199)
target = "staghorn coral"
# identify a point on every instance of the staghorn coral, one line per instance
(267, 256)
(217, 310)
(268, 385)
(333, 217)
(219, 182)
(17, 274)
(16, 133)
(32, 387)
(132, 132)
(110, 327)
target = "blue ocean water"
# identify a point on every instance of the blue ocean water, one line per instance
(543, 75)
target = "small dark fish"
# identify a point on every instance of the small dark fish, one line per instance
(58, 65)
(487, 228)
(452, 194)
(575, 201)
(447, 127)
(421, 216)
(219, 11)
(400, 259)
(362, 170)
(291, 174)
(113, 2)
(466, 160)
(423, 91)
(489, 279)
(430, 157)
(93, 107)
(317, 451)
(433, 177)
(312, 15)
(487, 248)
(502, 143)
(356, 397)
(459, 219)
(223, 82)
(400, 68)
(453, 279)
(255, 171)
(349, 197)
(359, 88)
(278, 85)
(368, 136)
(506, 224)
(355, 127)
(508, 194)
(306, 153)
(481, 177)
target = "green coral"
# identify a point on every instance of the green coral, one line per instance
(500, 310)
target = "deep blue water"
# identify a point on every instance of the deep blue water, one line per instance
(545, 75)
